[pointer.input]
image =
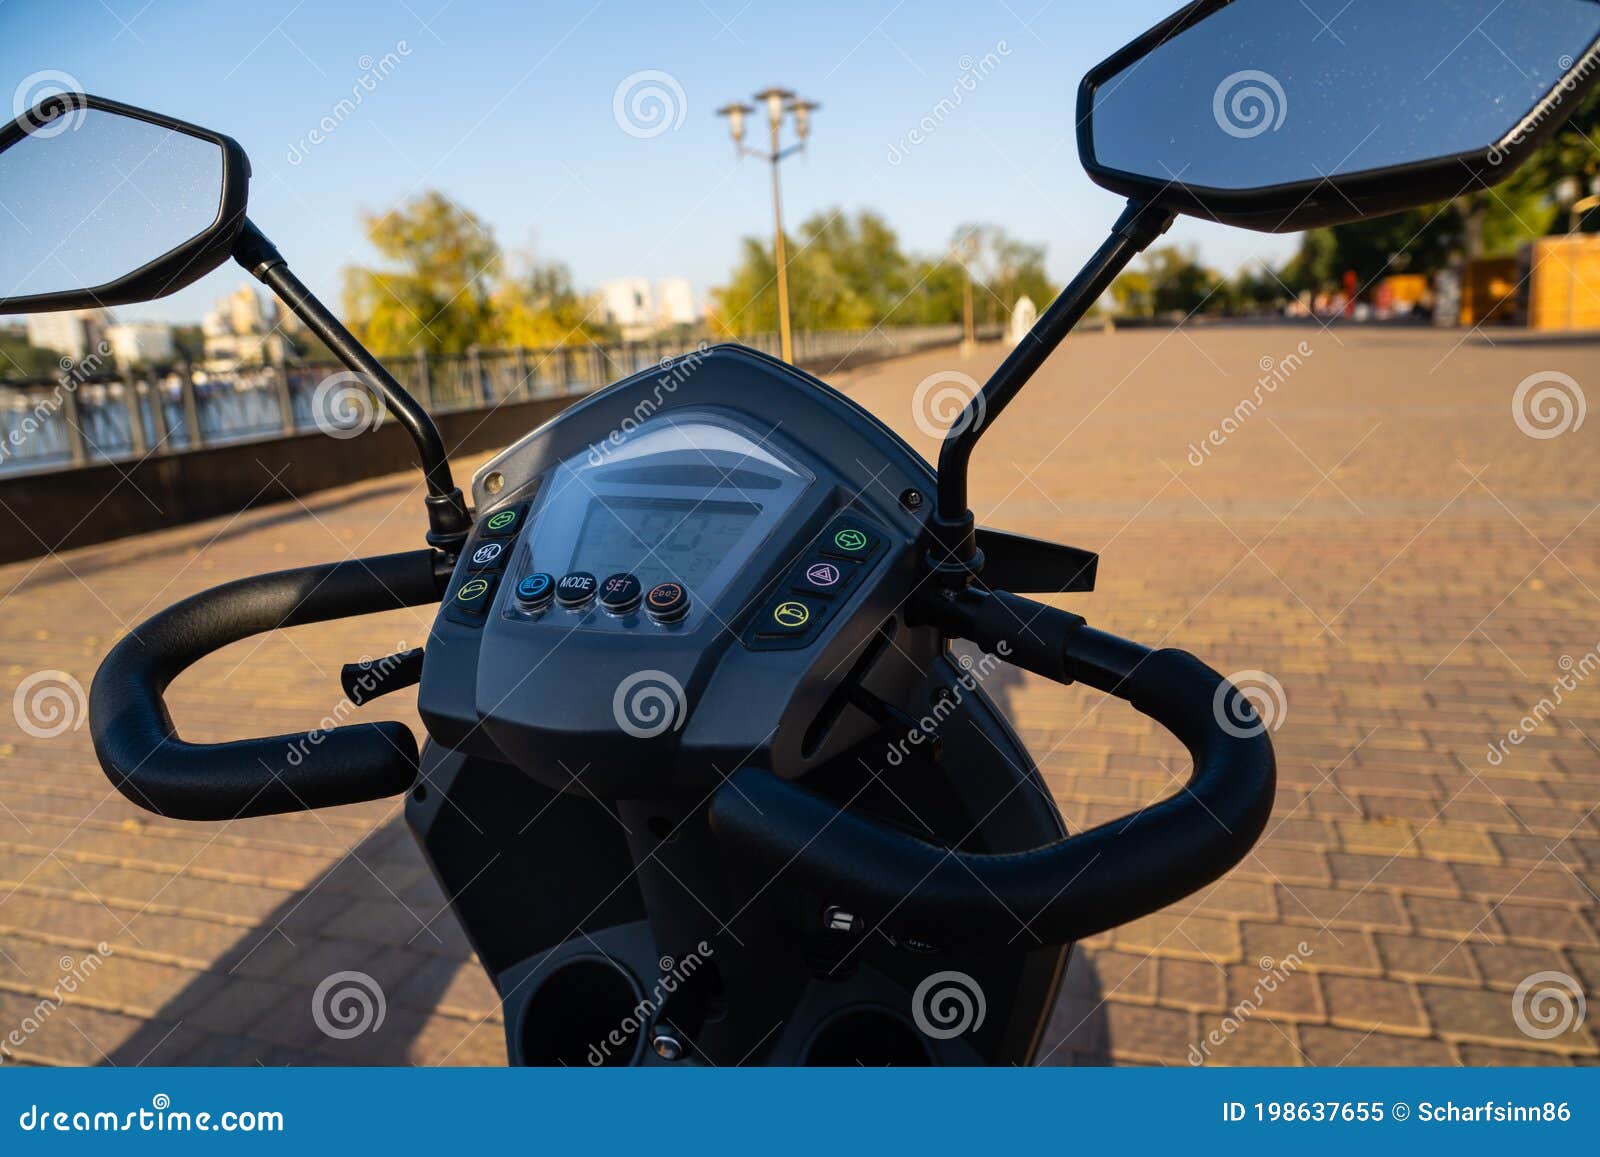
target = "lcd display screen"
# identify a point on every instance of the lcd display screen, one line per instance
(660, 539)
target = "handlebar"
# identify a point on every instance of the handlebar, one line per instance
(142, 754)
(1063, 891)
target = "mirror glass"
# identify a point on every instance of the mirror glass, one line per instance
(1275, 92)
(90, 196)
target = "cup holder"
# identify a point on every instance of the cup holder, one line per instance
(870, 1037)
(584, 1014)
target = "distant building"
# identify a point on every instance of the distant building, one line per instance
(141, 342)
(72, 332)
(240, 331)
(640, 310)
(675, 302)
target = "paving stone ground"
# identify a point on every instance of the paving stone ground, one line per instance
(1378, 537)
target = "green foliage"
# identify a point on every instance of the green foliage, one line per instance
(850, 273)
(20, 360)
(436, 298)
(448, 288)
(1170, 279)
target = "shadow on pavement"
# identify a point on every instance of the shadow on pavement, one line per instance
(306, 985)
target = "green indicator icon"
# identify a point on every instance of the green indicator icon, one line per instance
(850, 539)
(502, 520)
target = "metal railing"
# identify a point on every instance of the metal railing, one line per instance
(78, 420)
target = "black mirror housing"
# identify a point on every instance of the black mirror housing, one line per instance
(1408, 171)
(170, 271)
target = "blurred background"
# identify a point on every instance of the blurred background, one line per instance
(1348, 465)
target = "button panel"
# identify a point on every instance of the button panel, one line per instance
(815, 587)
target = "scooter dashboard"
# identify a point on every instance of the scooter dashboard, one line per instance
(657, 598)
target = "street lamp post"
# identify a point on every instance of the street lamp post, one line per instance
(777, 102)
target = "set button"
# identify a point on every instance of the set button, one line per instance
(667, 602)
(535, 591)
(575, 589)
(620, 594)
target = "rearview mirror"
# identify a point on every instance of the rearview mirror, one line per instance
(102, 204)
(1265, 114)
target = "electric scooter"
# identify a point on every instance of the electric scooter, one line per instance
(704, 776)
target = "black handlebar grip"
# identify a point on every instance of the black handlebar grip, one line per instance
(139, 748)
(1055, 894)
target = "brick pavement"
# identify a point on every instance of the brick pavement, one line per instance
(1379, 537)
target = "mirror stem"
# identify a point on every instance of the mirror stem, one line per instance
(956, 555)
(448, 520)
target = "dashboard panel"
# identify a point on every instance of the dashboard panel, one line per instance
(676, 576)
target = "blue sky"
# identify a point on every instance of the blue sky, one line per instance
(509, 108)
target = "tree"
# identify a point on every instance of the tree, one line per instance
(436, 297)
(19, 360)
(850, 272)
(538, 306)
(1172, 280)
(1005, 270)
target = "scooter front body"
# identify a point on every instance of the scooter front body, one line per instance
(567, 818)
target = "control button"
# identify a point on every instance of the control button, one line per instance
(575, 589)
(534, 591)
(502, 523)
(848, 540)
(824, 576)
(489, 555)
(472, 596)
(619, 594)
(667, 602)
(789, 617)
